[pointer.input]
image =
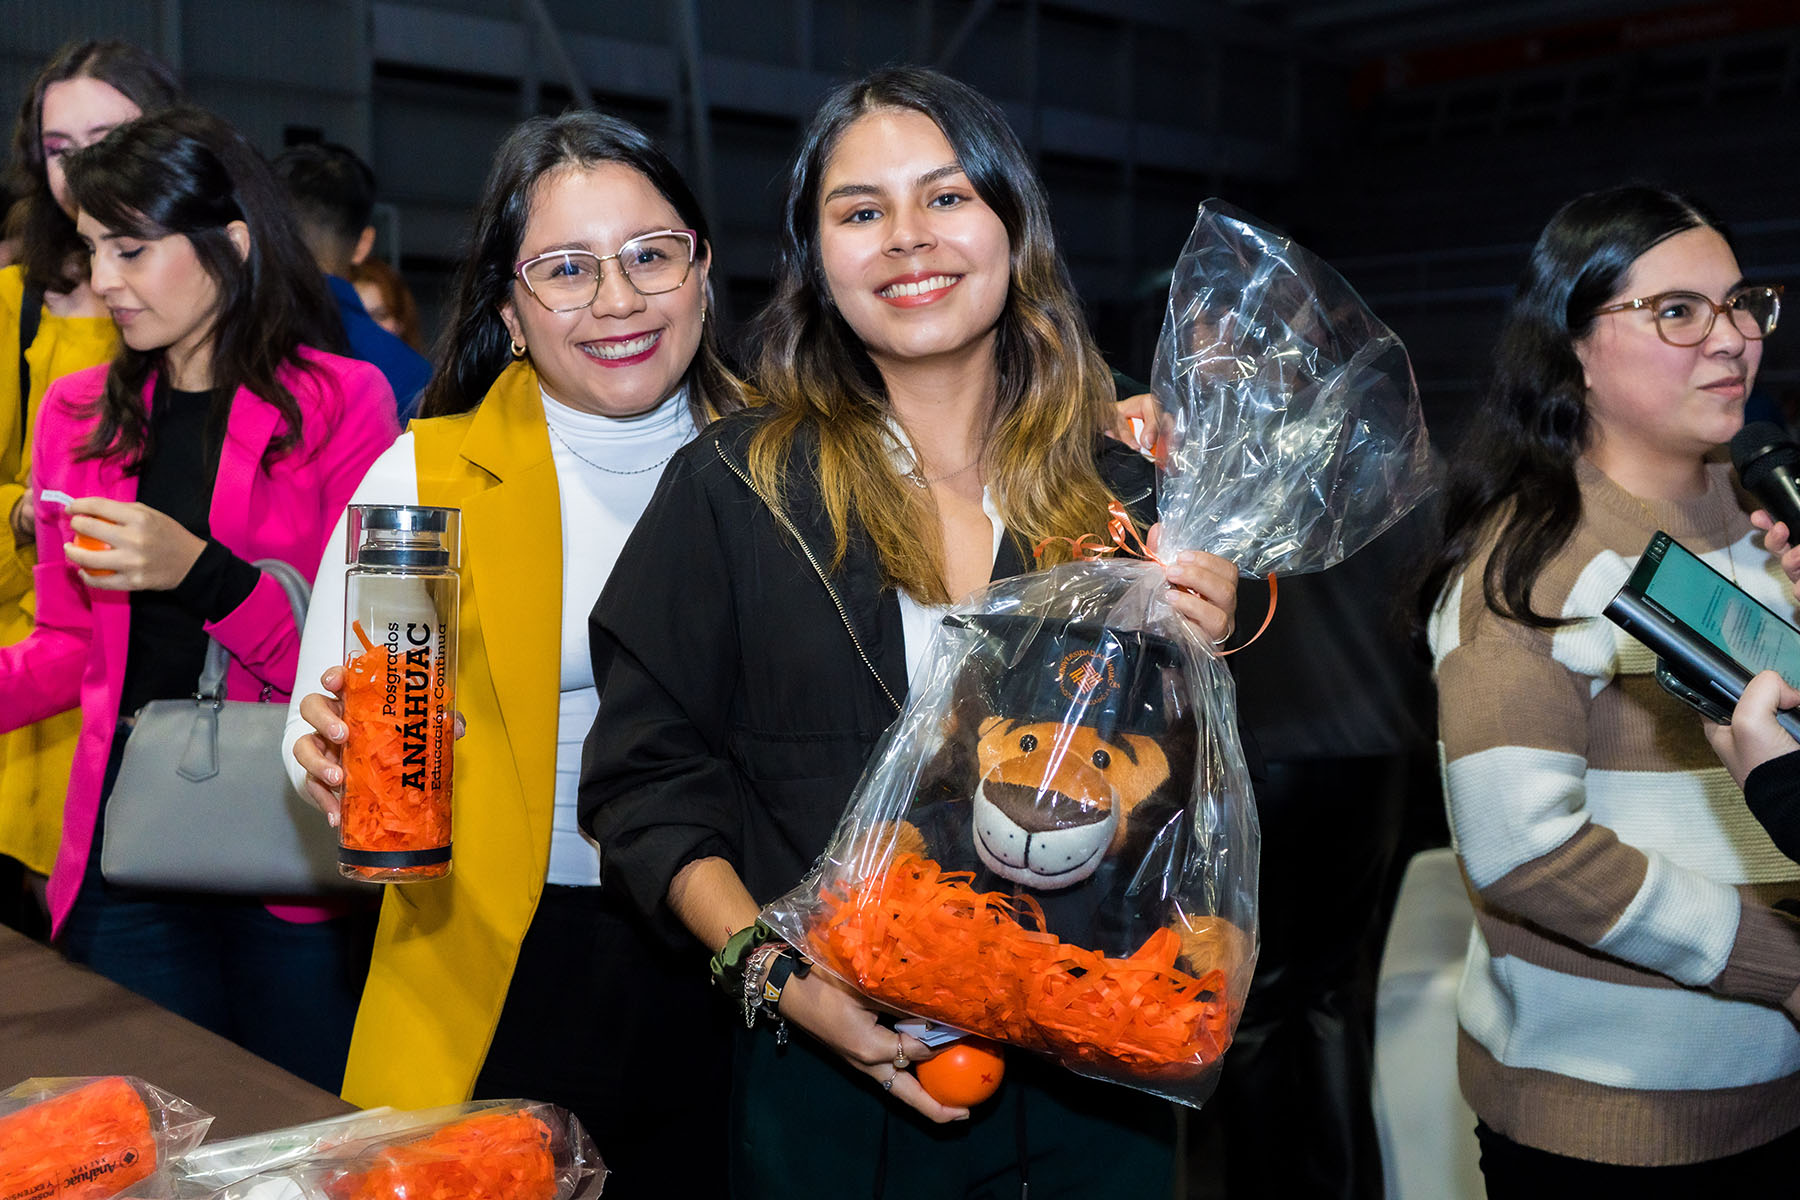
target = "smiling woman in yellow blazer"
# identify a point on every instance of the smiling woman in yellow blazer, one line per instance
(579, 361)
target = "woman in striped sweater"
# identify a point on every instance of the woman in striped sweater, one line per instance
(1627, 1010)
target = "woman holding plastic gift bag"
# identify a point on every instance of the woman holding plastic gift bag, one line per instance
(51, 324)
(936, 407)
(580, 358)
(218, 436)
(1630, 996)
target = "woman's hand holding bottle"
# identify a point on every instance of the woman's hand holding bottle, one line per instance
(321, 752)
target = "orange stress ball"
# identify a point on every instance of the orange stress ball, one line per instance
(965, 1074)
(89, 542)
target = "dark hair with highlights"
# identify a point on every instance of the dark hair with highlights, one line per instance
(1055, 391)
(49, 251)
(184, 172)
(475, 346)
(1513, 479)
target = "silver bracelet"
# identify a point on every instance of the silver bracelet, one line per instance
(756, 970)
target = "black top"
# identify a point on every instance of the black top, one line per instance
(736, 709)
(1773, 793)
(167, 644)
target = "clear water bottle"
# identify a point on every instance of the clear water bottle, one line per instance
(400, 606)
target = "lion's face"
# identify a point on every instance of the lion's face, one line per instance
(1054, 798)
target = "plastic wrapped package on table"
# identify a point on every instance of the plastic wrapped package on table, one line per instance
(59, 1019)
(482, 1150)
(91, 1137)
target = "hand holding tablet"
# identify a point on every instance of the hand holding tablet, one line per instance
(1710, 637)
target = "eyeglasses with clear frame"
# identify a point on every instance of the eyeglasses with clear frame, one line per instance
(569, 280)
(1686, 318)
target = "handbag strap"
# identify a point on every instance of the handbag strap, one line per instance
(218, 658)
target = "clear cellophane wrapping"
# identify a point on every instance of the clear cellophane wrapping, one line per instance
(481, 1150)
(91, 1137)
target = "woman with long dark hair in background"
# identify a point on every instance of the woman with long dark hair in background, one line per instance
(935, 407)
(1627, 1012)
(220, 434)
(578, 359)
(51, 323)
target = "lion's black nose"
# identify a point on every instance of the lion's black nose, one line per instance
(1037, 810)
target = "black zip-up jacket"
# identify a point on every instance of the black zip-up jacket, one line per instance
(743, 683)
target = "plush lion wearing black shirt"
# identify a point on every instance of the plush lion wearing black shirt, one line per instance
(1068, 760)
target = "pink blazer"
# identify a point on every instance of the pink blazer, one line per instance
(76, 654)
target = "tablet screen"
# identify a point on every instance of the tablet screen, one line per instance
(1717, 610)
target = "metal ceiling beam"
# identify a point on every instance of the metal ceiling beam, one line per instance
(1473, 23)
(550, 41)
(1353, 12)
(699, 108)
(494, 47)
(954, 44)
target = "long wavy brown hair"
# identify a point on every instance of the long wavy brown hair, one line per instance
(48, 249)
(1512, 481)
(1055, 391)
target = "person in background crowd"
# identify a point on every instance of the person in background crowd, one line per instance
(387, 299)
(1628, 1006)
(1760, 755)
(935, 408)
(1757, 751)
(219, 435)
(1340, 704)
(51, 323)
(334, 196)
(579, 358)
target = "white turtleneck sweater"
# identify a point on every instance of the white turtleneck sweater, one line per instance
(606, 469)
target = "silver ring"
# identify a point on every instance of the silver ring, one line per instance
(900, 1059)
(887, 1085)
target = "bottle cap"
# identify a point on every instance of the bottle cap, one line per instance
(403, 535)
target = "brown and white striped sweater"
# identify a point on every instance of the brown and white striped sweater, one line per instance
(1629, 993)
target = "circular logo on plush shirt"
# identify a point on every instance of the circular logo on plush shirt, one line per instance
(1086, 676)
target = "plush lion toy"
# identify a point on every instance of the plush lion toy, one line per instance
(1068, 757)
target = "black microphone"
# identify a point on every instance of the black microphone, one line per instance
(1765, 458)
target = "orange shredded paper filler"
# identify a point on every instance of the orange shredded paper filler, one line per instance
(489, 1156)
(925, 941)
(85, 1144)
(380, 810)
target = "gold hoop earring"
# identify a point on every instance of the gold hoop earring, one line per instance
(518, 351)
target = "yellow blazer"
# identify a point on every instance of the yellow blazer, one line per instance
(445, 950)
(34, 761)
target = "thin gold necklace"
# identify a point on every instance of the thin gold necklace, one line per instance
(917, 474)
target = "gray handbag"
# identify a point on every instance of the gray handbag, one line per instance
(202, 803)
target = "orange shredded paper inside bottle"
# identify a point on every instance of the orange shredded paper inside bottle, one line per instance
(925, 941)
(393, 801)
(489, 1156)
(82, 1145)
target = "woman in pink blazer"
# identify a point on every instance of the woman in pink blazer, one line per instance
(217, 437)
